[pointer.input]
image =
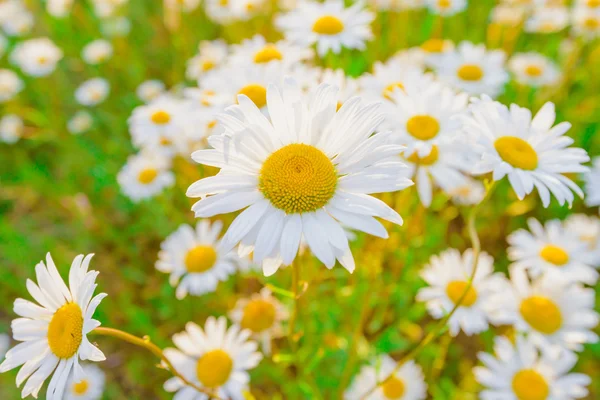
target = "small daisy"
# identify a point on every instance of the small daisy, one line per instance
(215, 358)
(526, 371)
(155, 122)
(548, 20)
(19, 24)
(92, 92)
(592, 184)
(262, 314)
(303, 173)
(10, 85)
(534, 69)
(448, 275)
(59, 8)
(529, 150)
(551, 249)
(150, 90)
(407, 383)
(89, 388)
(195, 256)
(587, 229)
(447, 8)
(243, 10)
(219, 11)
(551, 311)
(36, 57)
(330, 25)
(11, 128)
(473, 69)
(211, 54)
(508, 15)
(80, 122)
(586, 22)
(468, 194)
(107, 8)
(97, 52)
(54, 332)
(258, 51)
(144, 176)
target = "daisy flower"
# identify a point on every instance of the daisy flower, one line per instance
(92, 92)
(219, 11)
(586, 22)
(526, 371)
(36, 57)
(59, 8)
(587, 229)
(211, 54)
(145, 175)
(551, 311)
(10, 85)
(215, 358)
(54, 332)
(551, 249)
(80, 122)
(508, 15)
(243, 10)
(534, 69)
(473, 69)
(258, 51)
(447, 8)
(447, 276)
(89, 388)
(468, 194)
(150, 90)
(303, 173)
(19, 23)
(194, 255)
(592, 184)
(407, 383)
(97, 52)
(329, 25)
(156, 122)
(11, 128)
(547, 20)
(261, 314)
(529, 150)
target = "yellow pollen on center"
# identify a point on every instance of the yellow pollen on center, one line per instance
(147, 175)
(393, 388)
(554, 255)
(213, 368)
(542, 314)
(164, 141)
(267, 53)
(517, 152)
(528, 384)
(81, 388)
(160, 117)
(427, 160)
(433, 45)
(423, 127)
(255, 92)
(389, 89)
(328, 25)
(42, 60)
(470, 72)
(444, 4)
(65, 331)
(593, 3)
(534, 70)
(591, 23)
(298, 178)
(208, 65)
(200, 259)
(455, 290)
(259, 315)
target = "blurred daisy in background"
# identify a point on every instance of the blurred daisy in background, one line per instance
(329, 25)
(470, 193)
(16, 20)
(547, 20)
(59, 8)
(522, 370)
(551, 248)
(80, 122)
(586, 22)
(187, 5)
(530, 151)
(97, 52)
(54, 332)
(430, 49)
(36, 57)
(156, 122)
(194, 260)
(92, 92)
(10, 85)
(211, 54)
(219, 11)
(150, 90)
(145, 175)
(447, 8)
(258, 51)
(448, 275)
(534, 69)
(592, 184)
(508, 15)
(11, 128)
(107, 8)
(408, 383)
(243, 10)
(587, 229)
(215, 358)
(90, 387)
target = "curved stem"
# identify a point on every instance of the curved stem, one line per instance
(154, 349)
(294, 316)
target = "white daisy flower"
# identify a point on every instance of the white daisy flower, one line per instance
(10, 9)
(19, 24)
(330, 25)
(215, 358)
(551, 249)
(10, 85)
(303, 173)
(508, 15)
(4, 344)
(243, 10)
(525, 371)
(447, 8)
(547, 20)
(36, 57)
(156, 123)
(592, 184)
(211, 54)
(529, 150)
(145, 175)
(219, 11)
(407, 383)
(387, 77)
(258, 51)
(194, 255)
(11, 128)
(150, 90)
(468, 194)
(89, 388)
(551, 311)
(80, 122)
(534, 69)
(54, 332)
(586, 22)
(59, 8)
(97, 52)
(587, 229)
(262, 314)
(473, 69)
(107, 8)
(92, 92)
(448, 275)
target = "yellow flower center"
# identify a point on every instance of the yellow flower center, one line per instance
(591, 23)
(147, 175)
(208, 65)
(433, 45)
(200, 259)
(65, 331)
(389, 89)
(267, 53)
(259, 315)
(443, 4)
(455, 290)
(43, 60)
(542, 314)
(593, 3)
(427, 160)
(255, 92)
(160, 117)
(470, 72)
(393, 388)
(213, 368)
(516, 152)
(423, 127)
(554, 255)
(534, 70)
(298, 178)
(328, 25)
(164, 141)
(81, 388)
(223, 3)
(528, 384)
